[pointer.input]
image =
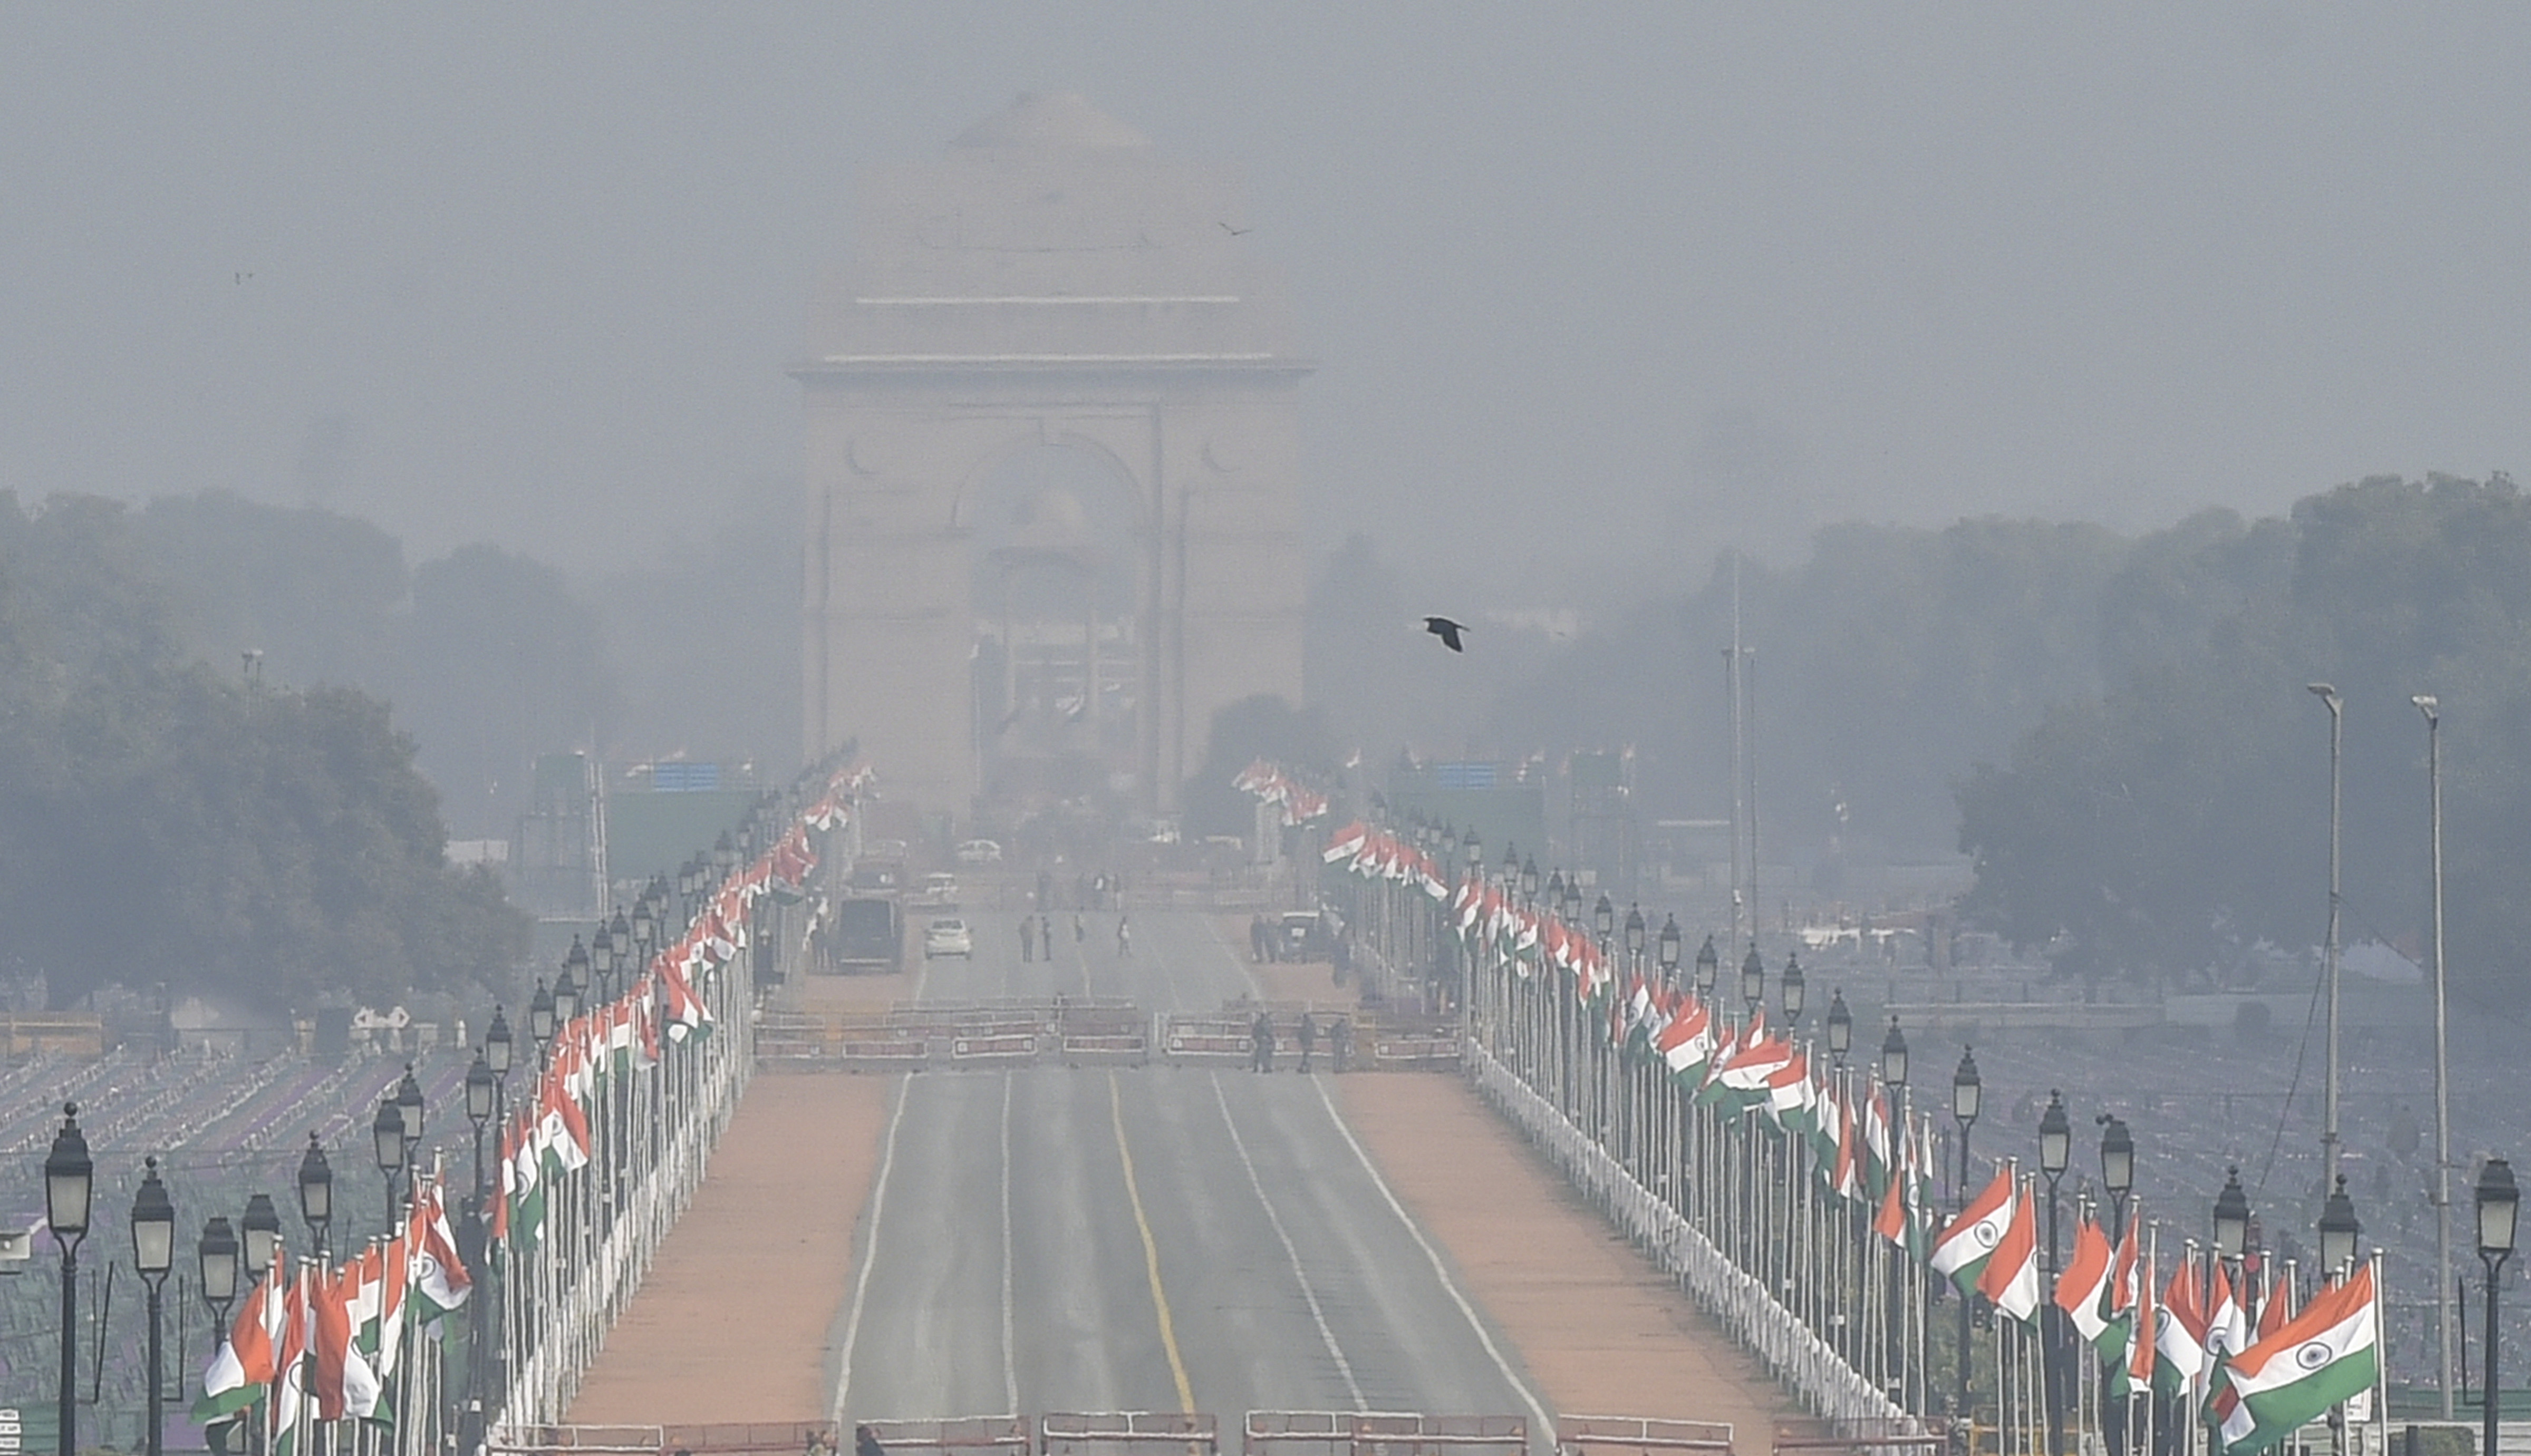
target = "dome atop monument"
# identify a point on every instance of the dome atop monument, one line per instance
(1054, 121)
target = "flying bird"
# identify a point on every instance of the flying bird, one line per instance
(1237, 232)
(1447, 629)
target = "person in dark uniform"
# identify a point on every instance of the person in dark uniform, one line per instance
(866, 1441)
(1046, 934)
(1257, 938)
(1308, 1039)
(1261, 1042)
(1028, 940)
(1340, 1041)
(1124, 939)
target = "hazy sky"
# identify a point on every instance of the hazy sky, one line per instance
(1664, 274)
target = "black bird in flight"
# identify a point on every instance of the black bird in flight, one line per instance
(1237, 232)
(1447, 629)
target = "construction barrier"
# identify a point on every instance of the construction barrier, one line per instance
(1590, 1435)
(1415, 1433)
(1122, 1432)
(999, 1046)
(1195, 1039)
(1005, 1435)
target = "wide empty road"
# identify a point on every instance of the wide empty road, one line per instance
(1148, 1239)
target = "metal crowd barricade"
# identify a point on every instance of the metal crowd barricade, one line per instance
(559, 1441)
(1419, 1433)
(1198, 1041)
(1125, 1433)
(1003, 1436)
(995, 1047)
(1611, 1435)
(1865, 1437)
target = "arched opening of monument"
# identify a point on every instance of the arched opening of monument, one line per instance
(1059, 552)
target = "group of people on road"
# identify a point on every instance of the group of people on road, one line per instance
(1338, 1034)
(1263, 943)
(1036, 936)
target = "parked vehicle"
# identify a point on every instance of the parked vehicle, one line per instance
(940, 890)
(980, 852)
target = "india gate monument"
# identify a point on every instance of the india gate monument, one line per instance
(1051, 470)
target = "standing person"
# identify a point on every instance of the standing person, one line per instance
(1079, 928)
(1257, 938)
(1046, 934)
(1028, 941)
(1261, 1042)
(1308, 1039)
(1340, 1041)
(866, 1441)
(1124, 939)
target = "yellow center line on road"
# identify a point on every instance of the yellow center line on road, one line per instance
(1151, 1252)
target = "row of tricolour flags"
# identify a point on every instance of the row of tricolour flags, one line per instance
(2260, 1372)
(547, 1134)
(1300, 803)
(312, 1343)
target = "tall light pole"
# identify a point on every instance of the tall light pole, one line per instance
(2117, 1171)
(2447, 1314)
(2336, 706)
(2055, 1153)
(2499, 1204)
(154, 1253)
(68, 1180)
(1966, 1091)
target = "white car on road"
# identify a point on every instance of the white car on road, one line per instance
(948, 937)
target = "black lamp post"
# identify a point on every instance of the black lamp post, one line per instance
(1529, 882)
(1841, 1028)
(602, 962)
(386, 1143)
(1669, 945)
(566, 995)
(2500, 1205)
(1635, 938)
(480, 1087)
(2340, 1229)
(70, 1178)
(410, 1108)
(1709, 966)
(1796, 988)
(498, 1048)
(154, 1253)
(1603, 919)
(2231, 1219)
(1966, 1089)
(1893, 1057)
(1555, 892)
(216, 1263)
(540, 1019)
(1753, 979)
(2055, 1155)
(259, 1235)
(2117, 1171)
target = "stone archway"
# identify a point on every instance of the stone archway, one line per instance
(1050, 362)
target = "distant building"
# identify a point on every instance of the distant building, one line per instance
(1051, 468)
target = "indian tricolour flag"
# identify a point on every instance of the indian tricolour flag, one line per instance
(2083, 1290)
(1686, 1044)
(1969, 1240)
(2326, 1355)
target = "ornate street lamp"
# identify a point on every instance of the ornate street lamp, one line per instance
(1555, 892)
(480, 1085)
(1708, 965)
(259, 1236)
(216, 1267)
(154, 1253)
(2340, 1229)
(540, 1018)
(1840, 1027)
(1894, 1055)
(69, 1178)
(1669, 945)
(1472, 851)
(602, 962)
(2231, 1217)
(2500, 1207)
(1603, 919)
(497, 1047)
(1966, 1092)
(575, 976)
(1573, 901)
(386, 1143)
(316, 1194)
(566, 998)
(1753, 979)
(2117, 1170)
(409, 1106)
(1635, 936)
(1796, 988)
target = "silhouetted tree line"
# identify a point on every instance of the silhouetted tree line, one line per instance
(163, 821)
